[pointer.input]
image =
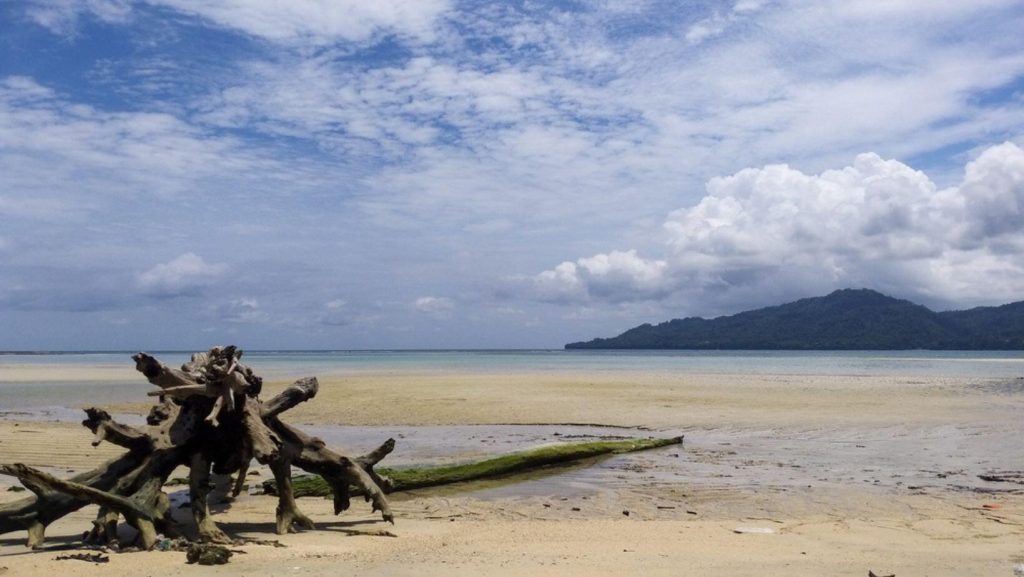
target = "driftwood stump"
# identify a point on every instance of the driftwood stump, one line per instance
(210, 419)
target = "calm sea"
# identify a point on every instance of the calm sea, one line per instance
(51, 396)
(982, 364)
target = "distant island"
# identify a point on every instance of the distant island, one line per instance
(849, 319)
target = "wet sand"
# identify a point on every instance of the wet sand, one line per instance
(850, 473)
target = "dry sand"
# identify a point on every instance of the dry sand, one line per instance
(832, 464)
(659, 400)
(83, 373)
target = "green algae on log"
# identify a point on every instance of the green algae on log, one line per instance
(503, 466)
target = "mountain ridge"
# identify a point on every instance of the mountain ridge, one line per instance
(846, 319)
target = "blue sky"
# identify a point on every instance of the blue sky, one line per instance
(436, 173)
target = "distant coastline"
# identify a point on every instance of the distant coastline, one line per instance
(848, 319)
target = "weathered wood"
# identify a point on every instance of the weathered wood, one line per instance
(266, 445)
(160, 374)
(288, 515)
(209, 419)
(313, 456)
(104, 529)
(298, 392)
(106, 429)
(199, 492)
(369, 460)
(35, 513)
(139, 514)
(186, 391)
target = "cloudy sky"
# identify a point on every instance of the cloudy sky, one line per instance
(443, 173)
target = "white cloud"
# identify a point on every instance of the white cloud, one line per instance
(336, 304)
(716, 24)
(435, 306)
(921, 9)
(49, 141)
(336, 313)
(775, 232)
(295, 22)
(706, 28)
(514, 132)
(61, 16)
(319, 22)
(187, 274)
(993, 193)
(746, 6)
(470, 147)
(616, 276)
(243, 311)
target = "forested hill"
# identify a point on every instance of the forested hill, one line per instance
(849, 319)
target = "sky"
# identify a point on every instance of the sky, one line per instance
(343, 174)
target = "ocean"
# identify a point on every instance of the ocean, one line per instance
(981, 364)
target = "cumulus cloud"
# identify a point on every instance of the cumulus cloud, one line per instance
(187, 274)
(993, 193)
(778, 232)
(615, 277)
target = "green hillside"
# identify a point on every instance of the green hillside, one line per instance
(848, 319)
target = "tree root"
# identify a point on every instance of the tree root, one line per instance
(209, 419)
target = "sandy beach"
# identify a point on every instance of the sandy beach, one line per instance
(848, 473)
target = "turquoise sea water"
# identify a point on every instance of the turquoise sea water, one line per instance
(52, 399)
(983, 364)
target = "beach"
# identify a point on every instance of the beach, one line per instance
(821, 474)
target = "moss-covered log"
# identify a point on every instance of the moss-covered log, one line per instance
(406, 479)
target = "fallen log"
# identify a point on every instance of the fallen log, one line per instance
(407, 479)
(210, 419)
